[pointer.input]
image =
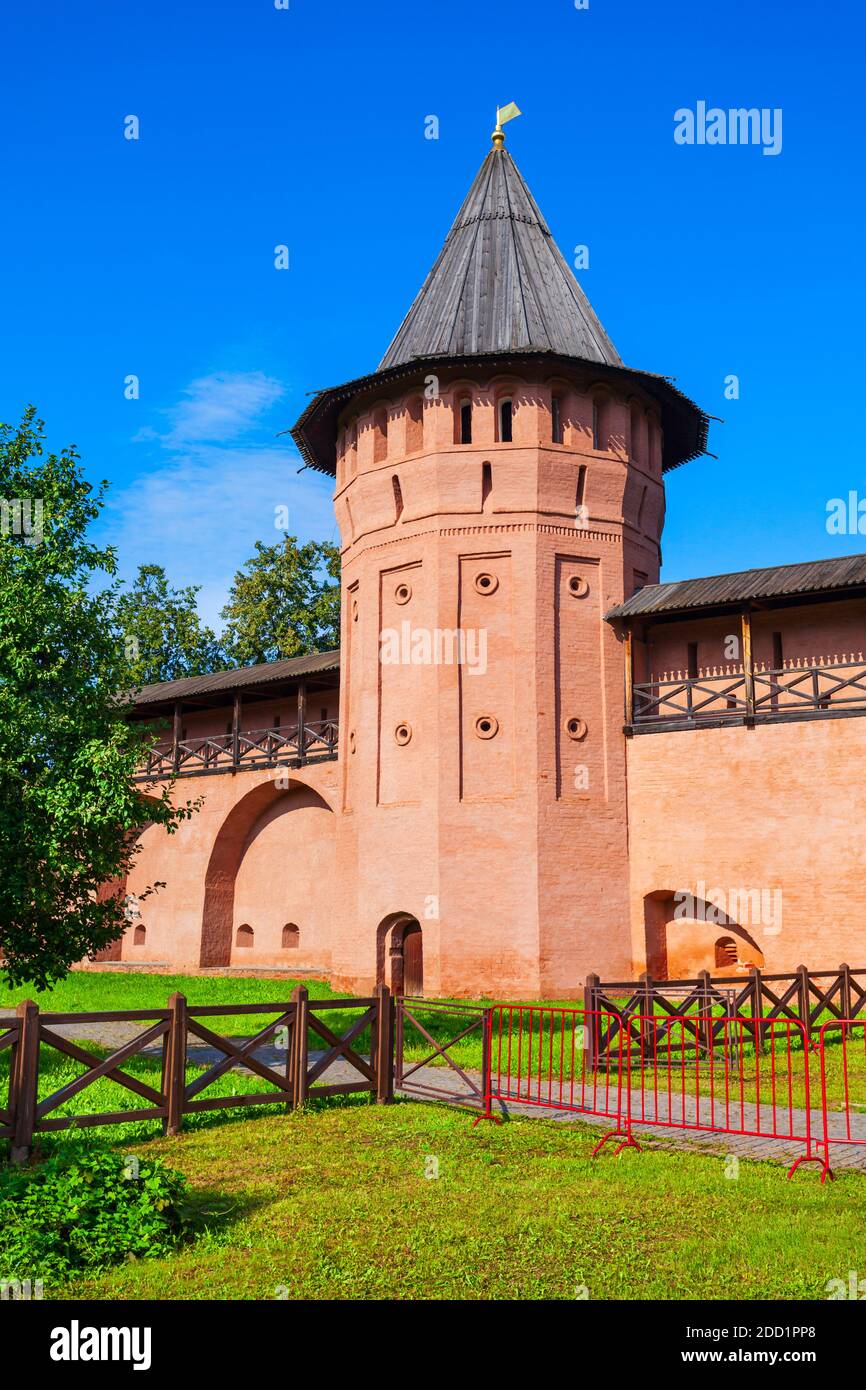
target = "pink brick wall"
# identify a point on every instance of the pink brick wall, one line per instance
(778, 806)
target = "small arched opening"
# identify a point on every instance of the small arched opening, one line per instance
(245, 936)
(291, 937)
(463, 422)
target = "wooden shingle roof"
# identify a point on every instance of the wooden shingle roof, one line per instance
(840, 576)
(500, 283)
(500, 297)
(219, 685)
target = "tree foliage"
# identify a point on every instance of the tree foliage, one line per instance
(163, 636)
(285, 602)
(69, 808)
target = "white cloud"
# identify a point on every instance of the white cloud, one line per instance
(220, 407)
(200, 511)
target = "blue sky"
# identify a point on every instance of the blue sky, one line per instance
(305, 127)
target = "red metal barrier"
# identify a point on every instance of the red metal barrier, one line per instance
(842, 1048)
(723, 1075)
(565, 1059)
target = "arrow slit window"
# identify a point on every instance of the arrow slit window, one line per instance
(556, 420)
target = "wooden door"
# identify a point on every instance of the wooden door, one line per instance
(413, 960)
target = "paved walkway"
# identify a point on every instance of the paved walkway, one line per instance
(676, 1117)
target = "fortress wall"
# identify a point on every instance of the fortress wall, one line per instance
(256, 853)
(779, 806)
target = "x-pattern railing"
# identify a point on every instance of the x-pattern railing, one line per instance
(689, 698)
(289, 1023)
(811, 686)
(252, 748)
(8, 1038)
(841, 685)
(240, 1054)
(479, 1018)
(800, 996)
(101, 1068)
(339, 1048)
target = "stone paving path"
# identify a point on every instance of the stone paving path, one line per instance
(681, 1110)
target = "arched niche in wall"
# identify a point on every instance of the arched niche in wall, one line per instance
(682, 936)
(248, 819)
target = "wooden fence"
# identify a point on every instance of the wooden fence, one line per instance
(26, 1114)
(810, 997)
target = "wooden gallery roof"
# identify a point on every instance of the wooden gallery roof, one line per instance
(259, 682)
(812, 580)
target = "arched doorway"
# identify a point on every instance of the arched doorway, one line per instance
(400, 951)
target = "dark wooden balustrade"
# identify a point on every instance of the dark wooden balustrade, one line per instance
(835, 688)
(251, 748)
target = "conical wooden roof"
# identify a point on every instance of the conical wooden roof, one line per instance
(500, 283)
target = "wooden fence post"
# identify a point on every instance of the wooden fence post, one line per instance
(647, 1029)
(26, 1064)
(174, 1064)
(803, 1008)
(591, 1028)
(384, 1052)
(705, 1008)
(399, 1039)
(845, 995)
(758, 1007)
(300, 1040)
(291, 1053)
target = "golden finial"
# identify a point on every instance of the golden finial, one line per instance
(503, 114)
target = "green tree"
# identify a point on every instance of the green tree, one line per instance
(163, 635)
(285, 602)
(69, 807)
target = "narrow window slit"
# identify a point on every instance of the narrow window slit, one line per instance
(486, 483)
(556, 420)
(581, 484)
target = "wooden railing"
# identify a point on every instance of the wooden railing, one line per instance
(808, 996)
(726, 694)
(250, 749)
(29, 1111)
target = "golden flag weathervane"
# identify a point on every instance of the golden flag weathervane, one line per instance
(503, 114)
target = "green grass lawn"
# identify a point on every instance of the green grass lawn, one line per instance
(335, 1202)
(90, 991)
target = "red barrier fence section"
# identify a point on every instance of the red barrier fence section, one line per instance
(745, 1077)
(842, 1046)
(565, 1059)
(750, 1078)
